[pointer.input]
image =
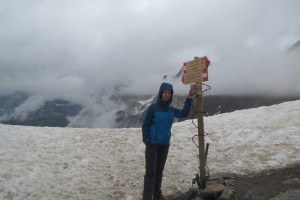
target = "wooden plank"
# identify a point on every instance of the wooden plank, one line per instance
(192, 78)
(196, 65)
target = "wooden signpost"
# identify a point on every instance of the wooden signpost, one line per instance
(195, 72)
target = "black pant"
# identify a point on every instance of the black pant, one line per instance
(156, 157)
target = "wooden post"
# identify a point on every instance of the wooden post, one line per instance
(201, 134)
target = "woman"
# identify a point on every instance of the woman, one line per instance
(156, 130)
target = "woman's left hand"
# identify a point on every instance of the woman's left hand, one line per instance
(191, 92)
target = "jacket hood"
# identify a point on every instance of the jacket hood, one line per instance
(164, 86)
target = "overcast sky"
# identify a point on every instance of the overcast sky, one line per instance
(73, 48)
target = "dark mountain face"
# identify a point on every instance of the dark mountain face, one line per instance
(11, 101)
(136, 105)
(135, 108)
(55, 113)
(223, 104)
(212, 105)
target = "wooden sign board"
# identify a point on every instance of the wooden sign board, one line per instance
(192, 78)
(196, 65)
(195, 71)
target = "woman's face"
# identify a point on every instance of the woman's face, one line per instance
(166, 95)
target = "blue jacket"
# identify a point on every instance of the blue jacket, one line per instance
(159, 117)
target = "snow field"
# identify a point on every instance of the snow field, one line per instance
(82, 163)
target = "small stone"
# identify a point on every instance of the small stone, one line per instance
(220, 180)
(289, 195)
(227, 193)
(212, 191)
(254, 195)
(177, 195)
(191, 194)
(292, 181)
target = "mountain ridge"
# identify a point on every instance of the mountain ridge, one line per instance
(56, 112)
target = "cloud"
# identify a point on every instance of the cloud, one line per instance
(70, 49)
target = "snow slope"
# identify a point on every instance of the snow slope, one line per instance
(74, 163)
